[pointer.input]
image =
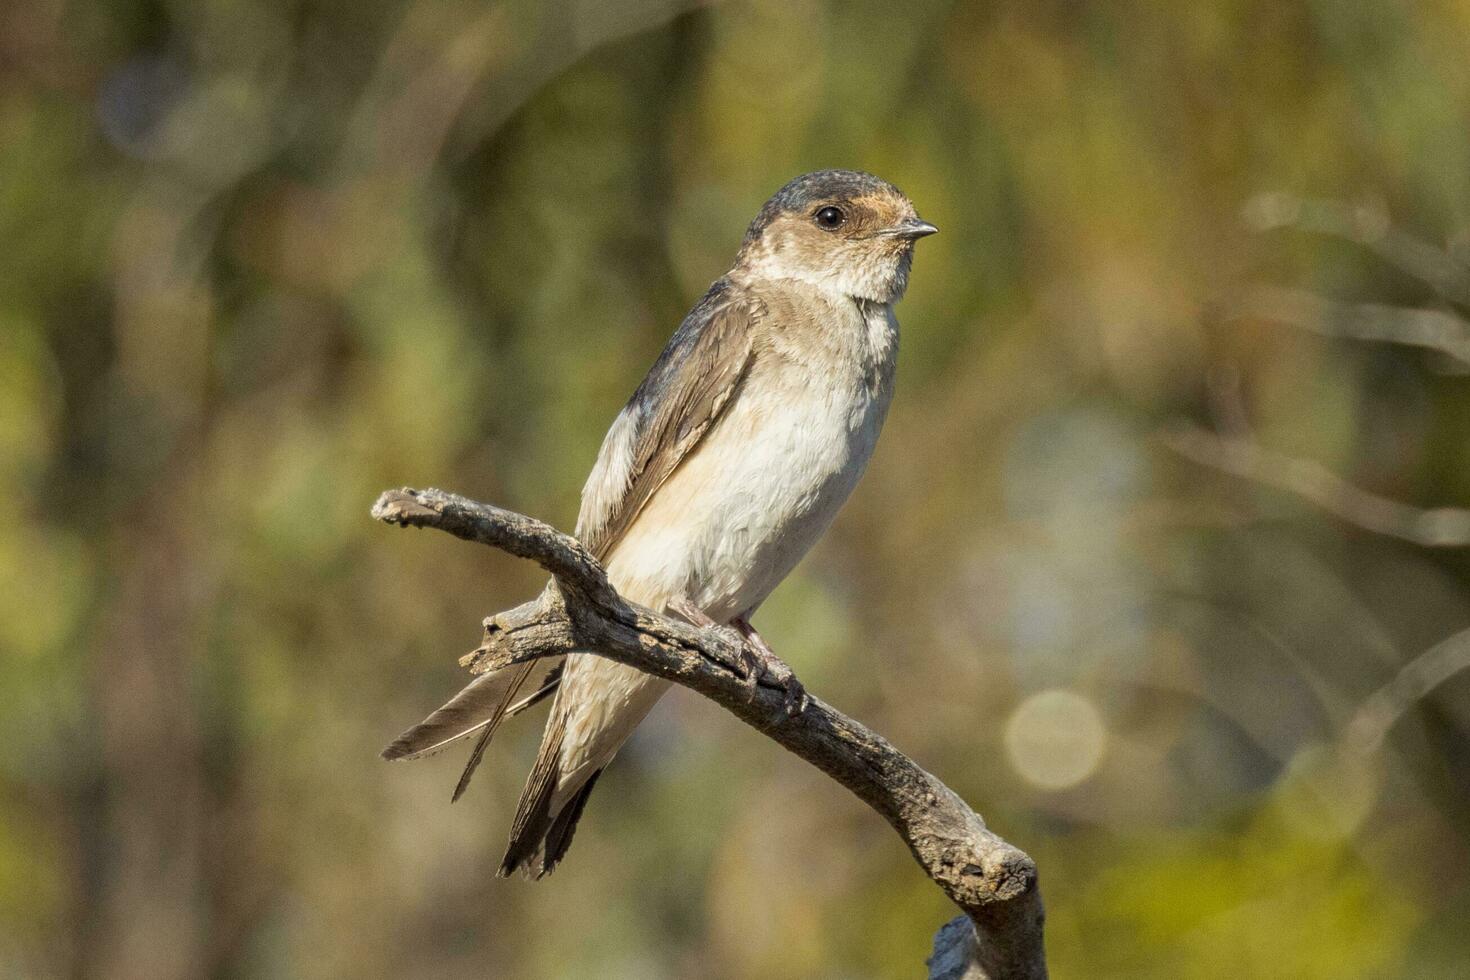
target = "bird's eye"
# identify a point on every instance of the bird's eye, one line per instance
(830, 218)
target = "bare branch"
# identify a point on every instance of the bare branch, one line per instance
(992, 881)
(1439, 527)
(1436, 330)
(1369, 227)
(1414, 681)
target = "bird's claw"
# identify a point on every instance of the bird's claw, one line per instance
(756, 661)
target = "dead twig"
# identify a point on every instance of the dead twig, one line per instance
(1438, 527)
(1435, 330)
(1370, 724)
(1370, 227)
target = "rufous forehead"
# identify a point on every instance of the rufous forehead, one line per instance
(889, 208)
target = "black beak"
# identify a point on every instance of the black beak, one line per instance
(910, 228)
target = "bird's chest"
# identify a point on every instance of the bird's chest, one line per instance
(742, 509)
(813, 406)
(791, 450)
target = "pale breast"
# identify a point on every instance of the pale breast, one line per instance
(768, 479)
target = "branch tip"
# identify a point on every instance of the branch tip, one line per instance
(402, 508)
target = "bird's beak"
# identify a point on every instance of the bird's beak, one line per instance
(910, 228)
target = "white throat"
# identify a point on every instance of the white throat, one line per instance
(863, 278)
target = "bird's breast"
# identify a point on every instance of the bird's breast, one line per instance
(751, 500)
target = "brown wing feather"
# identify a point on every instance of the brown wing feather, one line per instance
(684, 393)
(549, 685)
(480, 706)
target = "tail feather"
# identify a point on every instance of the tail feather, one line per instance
(548, 685)
(597, 706)
(559, 836)
(533, 814)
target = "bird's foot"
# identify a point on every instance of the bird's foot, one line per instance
(758, 658)
(684, 607)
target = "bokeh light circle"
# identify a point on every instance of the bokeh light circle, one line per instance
(1055, 739)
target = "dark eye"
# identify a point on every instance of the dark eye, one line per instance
(830, 218)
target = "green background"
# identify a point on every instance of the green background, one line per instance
(262, 259)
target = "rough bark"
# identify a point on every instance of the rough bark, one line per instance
(993, 882)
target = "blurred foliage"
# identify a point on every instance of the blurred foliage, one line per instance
(264, 259)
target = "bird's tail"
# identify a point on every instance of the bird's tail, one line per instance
(597, 707)
(541, 833)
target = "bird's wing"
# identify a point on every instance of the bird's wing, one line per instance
(683, 395)
(479, 706)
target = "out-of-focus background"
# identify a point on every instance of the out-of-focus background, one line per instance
(1148, 565)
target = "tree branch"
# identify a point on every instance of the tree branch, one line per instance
(1435, 330)
(993, 882)
(1369, 227)
(1438, 527)
(1370, 724)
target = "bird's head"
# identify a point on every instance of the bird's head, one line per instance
(842, 231)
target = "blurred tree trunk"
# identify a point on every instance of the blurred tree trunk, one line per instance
(148, 894)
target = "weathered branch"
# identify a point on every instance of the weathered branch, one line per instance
(1369, 227)
(1438, 527)
(992, 881)
(1435, 330)
(1370, 724)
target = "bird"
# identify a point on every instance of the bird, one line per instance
(724, 468)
